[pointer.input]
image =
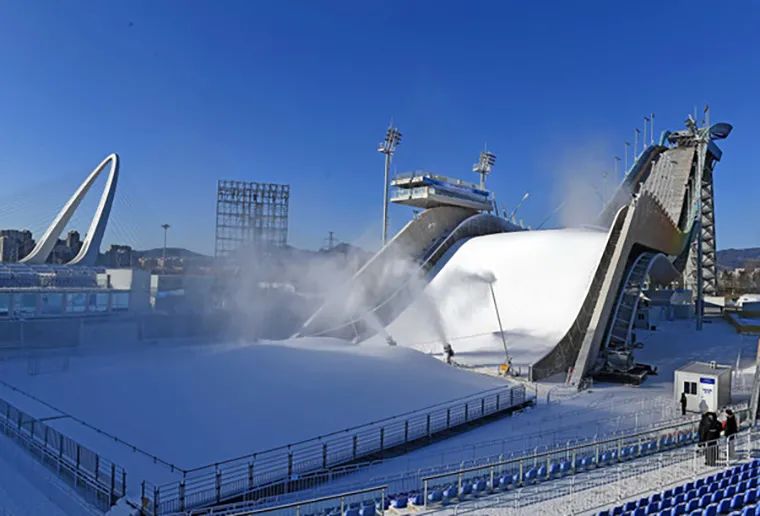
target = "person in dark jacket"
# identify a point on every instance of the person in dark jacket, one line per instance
(683, 403)
(712, 434)
(730, 427)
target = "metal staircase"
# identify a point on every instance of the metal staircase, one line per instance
(615, 361)
(619, 334)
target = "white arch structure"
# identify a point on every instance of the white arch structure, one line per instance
(91, 245)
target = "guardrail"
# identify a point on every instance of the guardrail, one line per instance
(373, 498)
(288, 468)
(98, 480)
(520, 473)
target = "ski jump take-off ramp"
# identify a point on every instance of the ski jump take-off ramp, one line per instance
(565, 299)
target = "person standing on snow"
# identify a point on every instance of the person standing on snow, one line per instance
(730, 427)
(683, 403)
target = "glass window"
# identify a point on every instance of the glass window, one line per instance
(52, 304)
(76, 302)
(686, 388)
(120, 301)
(26, 304)
(5, 305)
(98, 302)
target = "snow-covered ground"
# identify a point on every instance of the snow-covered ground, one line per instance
(195, 405)
(604, 409)
(540, 279)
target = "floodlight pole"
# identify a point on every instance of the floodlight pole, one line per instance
(636, 133)
(163, 259)
(627, 147)
(388, 147)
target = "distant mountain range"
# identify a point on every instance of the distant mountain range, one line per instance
(172, 252)
(733, 258)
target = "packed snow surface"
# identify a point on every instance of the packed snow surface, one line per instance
(195, 405)
(539, 278)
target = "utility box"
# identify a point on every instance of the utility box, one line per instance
(707, 386)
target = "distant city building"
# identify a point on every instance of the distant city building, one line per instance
(65, 250)
(15, 244)
(118, 257)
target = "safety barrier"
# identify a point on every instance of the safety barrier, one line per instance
(98, 480)
(363, 502)
(292, 467)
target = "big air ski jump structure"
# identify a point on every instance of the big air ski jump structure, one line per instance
(657, 228)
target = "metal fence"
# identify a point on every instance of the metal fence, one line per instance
(98, 480)
(373, 498)
(523, 481)
(296, 466)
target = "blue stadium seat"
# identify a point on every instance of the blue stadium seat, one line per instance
(666, 503)
(655, 497)
(750, 497)
(465, 489)
(679, 498)
(554, 470)
(741, 486)
(704, 501)
(400, 502)
(530, 476)
(711, 488)
(699, 483)
(417, 499)
(692, 506)
(640, 511)
(435, 496)
(506, 481)
(717, 496)
(666, 512)
(748, 511)
(450, 492)
(653, 508)
(678, 490)
(710, 510)
(724, 483)
(541, 473)
(368, 511)
(351, 512)
(679, 509)
(702, 491)
(564, 467)
(479, 486)
(724, 507)
(737, 502)
(630, 506)
(689, 486)
(753, 482)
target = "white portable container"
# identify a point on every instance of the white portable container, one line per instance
(707, 386)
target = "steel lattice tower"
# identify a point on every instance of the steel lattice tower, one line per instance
(250, 215)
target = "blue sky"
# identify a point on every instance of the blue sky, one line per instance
(301, 92)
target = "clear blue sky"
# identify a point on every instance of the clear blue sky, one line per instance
(301, 92)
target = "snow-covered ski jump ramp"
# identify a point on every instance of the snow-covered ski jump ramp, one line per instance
(564, 296)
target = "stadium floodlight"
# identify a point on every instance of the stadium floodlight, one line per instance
(617, 166)
(651, 128)
(388, 147)
(627, 148)
(484, 166)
